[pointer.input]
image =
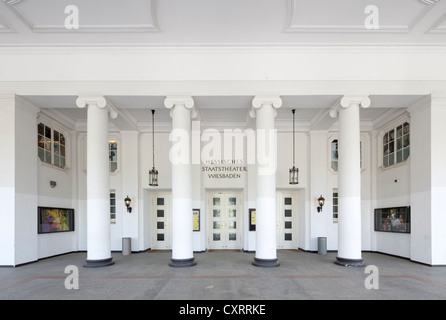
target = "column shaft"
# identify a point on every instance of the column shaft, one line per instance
(98, 184)
(182, 223)
(349, 175)
(266, 163)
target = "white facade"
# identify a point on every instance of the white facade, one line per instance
(40, 83)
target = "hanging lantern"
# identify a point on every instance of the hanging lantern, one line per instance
(153, 174)
(294, 172)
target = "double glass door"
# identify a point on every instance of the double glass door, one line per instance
(224, 220)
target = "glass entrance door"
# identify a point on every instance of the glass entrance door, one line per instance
(286, 220)
(161, 214)
(224, 216)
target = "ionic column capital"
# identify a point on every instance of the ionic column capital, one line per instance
(259, 101)
(347, 101)
(98, 101)
(188, 102)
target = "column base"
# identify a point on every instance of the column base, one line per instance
(356, 263)
(99, 263)
(182, 263)
(266, 263)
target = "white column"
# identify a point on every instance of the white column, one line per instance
(98, 181)
(264, 110)
(180, 158)
(349, 179)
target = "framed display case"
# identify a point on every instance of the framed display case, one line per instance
(196, 219)
(50, 220)
(252, 219)
(396, 219)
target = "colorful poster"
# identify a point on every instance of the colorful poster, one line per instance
(55, 220)
(196, 219)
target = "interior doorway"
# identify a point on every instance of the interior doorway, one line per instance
(161, 221)
(286, 220)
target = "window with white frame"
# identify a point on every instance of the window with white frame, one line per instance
(51, 146)
(112, 206)
(334, 155)
(396, 145)
(113, 155)
(335, 205)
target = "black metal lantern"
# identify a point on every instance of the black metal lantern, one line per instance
(153, 173)
(294, 175)
(153, 177)
(320, 202)
(128, 202)
(294, 172)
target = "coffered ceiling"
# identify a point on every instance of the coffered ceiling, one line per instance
(221, 22)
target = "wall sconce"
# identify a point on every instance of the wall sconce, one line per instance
(127, 202)
(320, 202)
(53, 184)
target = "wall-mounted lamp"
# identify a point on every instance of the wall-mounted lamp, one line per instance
(53, 184)
(320, 202)
(127, 202)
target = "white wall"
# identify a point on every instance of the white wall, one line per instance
(64, 195)
(421, 206)
(438, 186)
(18, 186)
(7, 182)
(391, 188)
(428, 176)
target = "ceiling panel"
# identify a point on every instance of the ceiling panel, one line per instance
(94, 16)
(218, 22)
(396, 16)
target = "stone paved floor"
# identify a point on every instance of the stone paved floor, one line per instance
(224, 275)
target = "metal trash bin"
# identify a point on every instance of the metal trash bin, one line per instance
(322, 245)
(126, 246)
